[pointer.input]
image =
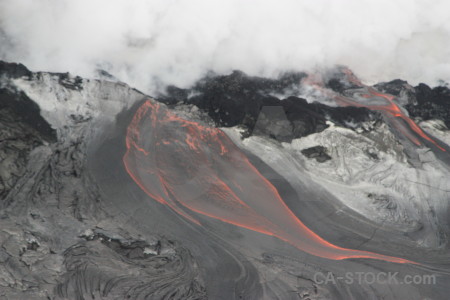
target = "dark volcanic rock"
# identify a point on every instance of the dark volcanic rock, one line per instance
(432, 103)
(13, 70)
(22, 129)
(305, 118)
(340, 79)
(422, 101)
(19, 105)
(238, 99)
(73, 83)
(17, 140)
(317, 152)
(396, 87)
(272, 122)
(25, 111)
(48, 197)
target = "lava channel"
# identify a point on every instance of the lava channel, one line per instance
(197, 170)
(393, 112)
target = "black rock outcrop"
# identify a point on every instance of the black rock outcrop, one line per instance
(253, 102)
(317, 152)
(432, 103)
(22, 129)
(423, 102)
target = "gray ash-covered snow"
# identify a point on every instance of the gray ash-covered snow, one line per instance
(74, 225)
(57, 238)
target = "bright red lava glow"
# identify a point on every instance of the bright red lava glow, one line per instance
(195, 169)
(390, 109)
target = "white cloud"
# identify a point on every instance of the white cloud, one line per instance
(177, 41)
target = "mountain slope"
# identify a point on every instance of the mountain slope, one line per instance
(75, 225)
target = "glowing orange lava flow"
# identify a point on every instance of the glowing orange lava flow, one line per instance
(198, 170)
(391, 110)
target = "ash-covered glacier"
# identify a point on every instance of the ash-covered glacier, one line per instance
(60, 239)
(345, 159)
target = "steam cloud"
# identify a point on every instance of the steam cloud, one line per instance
(150, 43)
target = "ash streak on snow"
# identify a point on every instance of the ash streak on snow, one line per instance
(197, 170)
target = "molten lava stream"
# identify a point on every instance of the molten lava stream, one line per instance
(391, 110)
(190, 167)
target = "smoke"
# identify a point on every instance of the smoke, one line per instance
(151, 43)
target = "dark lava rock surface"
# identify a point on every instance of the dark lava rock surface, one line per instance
(59, 239)
(432, 103)
(423, 102)
(238, 99)
(22, 129)
(317, 152)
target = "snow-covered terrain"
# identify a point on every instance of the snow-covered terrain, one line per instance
(369, 173)
(75, 225)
